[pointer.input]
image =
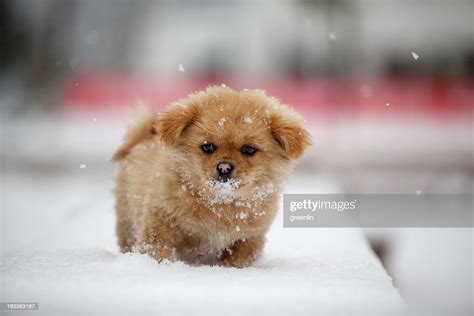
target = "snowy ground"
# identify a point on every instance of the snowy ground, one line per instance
(59, 250)
(58, 245)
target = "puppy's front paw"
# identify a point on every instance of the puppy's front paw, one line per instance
(237, 261)
(242, 253)
(159, 253)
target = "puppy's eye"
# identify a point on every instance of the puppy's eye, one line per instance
(248, 150)
(208, 148)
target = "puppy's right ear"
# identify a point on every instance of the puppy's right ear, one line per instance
(174, 120)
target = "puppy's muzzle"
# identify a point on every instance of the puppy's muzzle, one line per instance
(224, 170)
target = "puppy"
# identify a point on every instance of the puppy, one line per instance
(201, 183)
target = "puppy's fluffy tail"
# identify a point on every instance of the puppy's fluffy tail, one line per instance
(143, 127)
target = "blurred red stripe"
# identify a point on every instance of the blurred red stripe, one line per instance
(314, 97)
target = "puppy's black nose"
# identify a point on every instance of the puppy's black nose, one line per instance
(224, 169)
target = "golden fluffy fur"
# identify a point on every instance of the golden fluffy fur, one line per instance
(169, 202)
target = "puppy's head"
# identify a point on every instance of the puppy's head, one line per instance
(227, 141)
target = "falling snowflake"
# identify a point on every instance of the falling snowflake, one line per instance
(418, 192)
(82, 166)
(248, 120)
(223, 85)
(332, 36)
(387, 104)
(415, 55)
(180, 68)
(94, 119)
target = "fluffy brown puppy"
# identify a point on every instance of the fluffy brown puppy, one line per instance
(201, 183)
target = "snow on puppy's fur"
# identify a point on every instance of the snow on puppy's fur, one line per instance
(173, 201)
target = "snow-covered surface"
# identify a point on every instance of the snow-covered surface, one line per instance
(432, 267)
(58, 249)
(58, 245)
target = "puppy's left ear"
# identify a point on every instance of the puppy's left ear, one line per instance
(174, 121)
(289, 132)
